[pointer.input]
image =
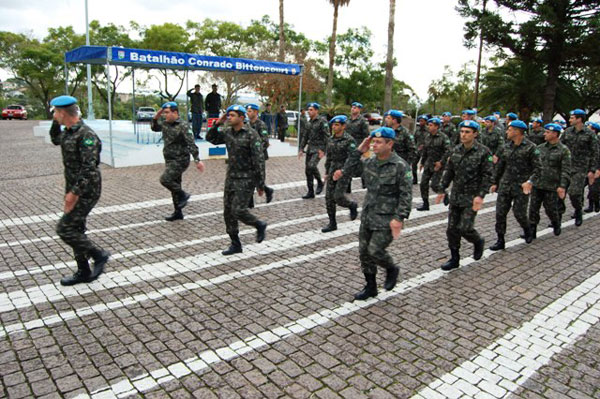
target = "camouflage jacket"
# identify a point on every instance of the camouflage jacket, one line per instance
(404, 144)
(358, 128)
(389, 189)
(450, 130)
(81, 149)
(536, 136)
(315, 135)
(436, 149)
(494, 139)
(263, 132)
(583, 145)
(470, 172)
(338, 150)
(516, 165)
(556, 166)
(178, 140)
(421, 134)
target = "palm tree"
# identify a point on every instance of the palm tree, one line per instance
(281, 35)
(336, 5)
(389, 64)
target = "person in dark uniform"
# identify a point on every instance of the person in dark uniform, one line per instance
(267, 117)
(594, 189)
(449, 129)
(313, 142)
(212, 103)
(404, 142)
(197, 104)
(419, 136)
(260, 128)
(81, 149)
(357, 127)
(536, 134)
(178, 146)
(492, 136)
(281, 122)
(436, 151)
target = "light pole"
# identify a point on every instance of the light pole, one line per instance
(89, 68)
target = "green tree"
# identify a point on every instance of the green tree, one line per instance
(336, 5)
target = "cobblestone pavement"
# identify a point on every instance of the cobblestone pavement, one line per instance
(173, 318)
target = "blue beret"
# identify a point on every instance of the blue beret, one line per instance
(491, 118)
(437, 121)
(236, 108)
(471, 124)
(595, 126)
(252, 106)
(518, 124)
(512, 115)
(555, 127)
(446, 114)
(339, 119)
(468, 112)
(357, 104)
(314, 105)
(394, 113)
(578, 112)
(496, 113)
(423, 117)
(170, 104)
(538, 120)
(63, 101)
(385, 132)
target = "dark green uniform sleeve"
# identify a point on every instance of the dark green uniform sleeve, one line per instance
(364, 130)
(448, 175)
(594, 161)
(404, 180)
(56, 133)
(88, 151)
(215, 136)
(447, 151)
(536, 161)
(156, 125)
(189, 142)
(328, 153)
(487, 168)
(565, 168)
(303, 139)
(258, 161)
(500, 166)
(352, 164)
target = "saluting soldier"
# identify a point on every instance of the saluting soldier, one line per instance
(435, 154)
(518, 167)
(340, 145)
(387, 204)
(551, 186)
(449, 129)
(492, 136)
(178, 146)
(469, 169)
(313, 143)
(263, 132)
(81, 149)
(245, 172)
(583, 144)
(537, 133)
(594, 190)
(404, 142)
(420, 134)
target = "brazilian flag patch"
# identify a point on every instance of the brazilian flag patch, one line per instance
(408, 174)
(257, 143)
(491, 158)
(352, 146)
(89, 142)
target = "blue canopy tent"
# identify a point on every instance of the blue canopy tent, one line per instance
(149, 59)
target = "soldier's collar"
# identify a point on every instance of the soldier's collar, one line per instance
(76, 126)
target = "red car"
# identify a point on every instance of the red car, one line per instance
(14, 112)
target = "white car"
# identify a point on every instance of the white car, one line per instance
(292, 117)
(145, 114)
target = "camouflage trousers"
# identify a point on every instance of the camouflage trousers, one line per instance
(594, 191)
(311, 168)
(461, 223)
(415, 164)
(372, 246)
(553, 205)
(71, 229)
(430, 176)
(236, 197)
(578, 183)
(335, 194)
(171, 177)
(519, 202)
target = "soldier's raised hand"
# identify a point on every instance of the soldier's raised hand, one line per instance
(365, 145)
(396, 227)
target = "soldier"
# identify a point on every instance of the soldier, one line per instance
(315, 137)
(510, 117)
(386, 205)
(267, 118)
(282, 123)
(420, 134)
(404, 142)
(81, 149)
(261, 128)
(245, 172)
(518, 167)
(492, 136)
(358, 128)
(583, 144)
(178, 146)
(553, 182)
(594, 190)
(469, 169)
(197, 117)
(338, 149)
(212, 102)
(449, 129)
(468, 115)
(435, 153)
(500, 122)
(537, 133)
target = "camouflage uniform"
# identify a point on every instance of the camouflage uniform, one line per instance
(178, 145)
(404, 144)
(450, 130)
(436, 149)
(245, 172)
(594, 190)
(556, 172)
(81, 149)
(470, 172)
(315, 136)
(357, 128)
(492, 139)
(420, 135)
(389, 196)
(263, 132)
(338, 150)
(516, 165)
(583, 145)
(536, 136)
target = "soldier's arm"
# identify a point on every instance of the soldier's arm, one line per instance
(594, 161)
(500, 166)
(156, 125)
(189, 142)
(303, 139)
(352, 164)
(404, 179)
(412, 148)
(215, 135)
(565, 169)
(56, 133)
(364, 132)
(328, 159)
(536, 160)
(486, 168)
(90, 157)
(324, 135)
(258, 161)
(447, 151)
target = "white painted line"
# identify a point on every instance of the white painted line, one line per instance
(209, 357)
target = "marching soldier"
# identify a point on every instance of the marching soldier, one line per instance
(404, 142)
(245, 172)
(386, 206)
(263, 132)
(358, 128)
(314, 140)
(449, 129)
(338, 149)
(594, 190)
(178, 146)
(537, 133)
(468, 115)
(435, 153)
(420, 134)
(550, 188)
(492, 136)
(81, 149)
(518, 167)
(469, 169)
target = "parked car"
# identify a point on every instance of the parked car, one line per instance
(145, 114)
(14, 112)
(292, 117)
(374, 118)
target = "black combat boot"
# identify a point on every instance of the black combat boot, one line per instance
(500, 244)
(235, 247)
(391, 277)
(269, 194)
(182, 199)
(478, 249)
(100, 258)
(261, 230)
(424, 206)
(319, 187)
(590, 207)
(82, 275)
(176, 215)
(597, 206)
(578, 217)
(353, 210)
(369, 291)
(529, 234)
(251, 203)
(556, 229)
(453, 262)
(311, 191)
(331, 226)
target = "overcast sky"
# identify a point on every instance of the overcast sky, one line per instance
(428, 33)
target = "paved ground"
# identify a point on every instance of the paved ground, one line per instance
(172, 318)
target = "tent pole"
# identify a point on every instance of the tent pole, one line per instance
(66, 80)
(187, 98)
(108, 95)
(133, 104)
(299, 108)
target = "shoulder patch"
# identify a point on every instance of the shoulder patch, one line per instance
(490, 158)
(265, 133)
(408, 174)
(257, 143)
(536, 152)
(352, 145)
(88, 142)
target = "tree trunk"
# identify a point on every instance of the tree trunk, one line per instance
(478, 73)
(332, 56)
(389, 64)
(281, 34)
